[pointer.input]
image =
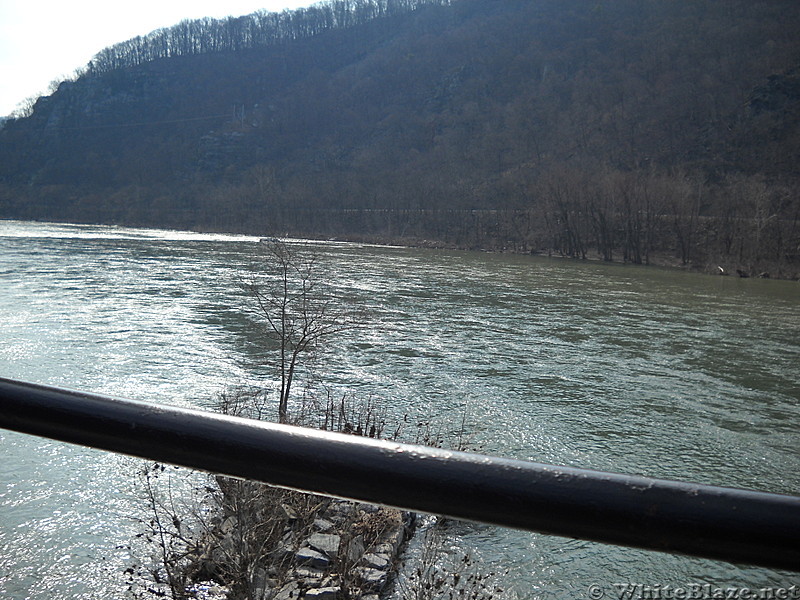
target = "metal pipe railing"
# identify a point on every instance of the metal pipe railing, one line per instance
(713, 522)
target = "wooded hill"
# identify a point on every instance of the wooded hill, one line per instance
(629, 130)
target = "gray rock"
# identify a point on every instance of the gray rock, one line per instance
(395, 538)
(285, 550)
(355, 549)
(309, 573)
(338, 509)
(377, 561)
(325, 542)
(326, 593)
(288, 512)
(329, 581)
(229, 525)
(323, 525)
(290, 591)
(383, 548)
(372, 579)
(311, 557)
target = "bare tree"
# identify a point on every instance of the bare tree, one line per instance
(294, 310)
(24, 108)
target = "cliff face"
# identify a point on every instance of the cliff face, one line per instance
(471, 105)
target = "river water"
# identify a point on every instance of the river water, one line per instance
(635, 370)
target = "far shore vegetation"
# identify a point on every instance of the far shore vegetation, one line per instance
(636, 131)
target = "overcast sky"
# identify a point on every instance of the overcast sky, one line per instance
(44, 40)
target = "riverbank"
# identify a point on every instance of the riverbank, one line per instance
(722, 266)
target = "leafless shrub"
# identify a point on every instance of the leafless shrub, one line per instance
(438, 574)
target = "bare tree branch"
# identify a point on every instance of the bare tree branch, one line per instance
(290, 303)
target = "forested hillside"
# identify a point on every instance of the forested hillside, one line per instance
(629, 130)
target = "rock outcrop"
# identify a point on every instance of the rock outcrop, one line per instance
(342, 550)
(350, 552)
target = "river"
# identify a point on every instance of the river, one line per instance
(635, 370)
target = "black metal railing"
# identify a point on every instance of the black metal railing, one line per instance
(728, 524)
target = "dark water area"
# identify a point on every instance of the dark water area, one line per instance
(634, 370)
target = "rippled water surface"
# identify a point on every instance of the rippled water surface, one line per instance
(634, 370)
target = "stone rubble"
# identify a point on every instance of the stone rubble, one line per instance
(333, 562)
(344, 550)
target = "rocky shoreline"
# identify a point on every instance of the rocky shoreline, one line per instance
(315, 558)
(339, 549)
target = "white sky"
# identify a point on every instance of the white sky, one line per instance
(44, 40)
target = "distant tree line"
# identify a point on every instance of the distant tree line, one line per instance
(260, 29)
(740, 224)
